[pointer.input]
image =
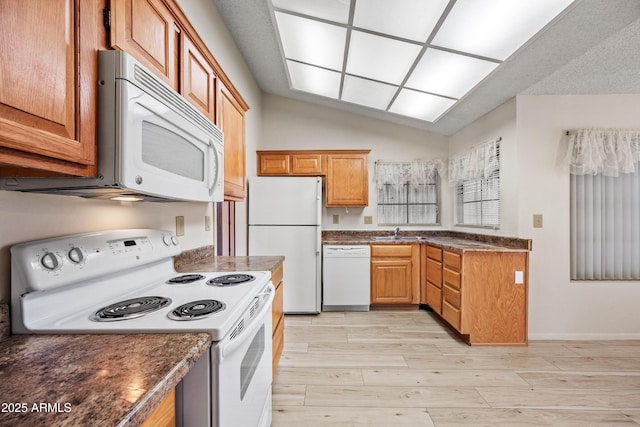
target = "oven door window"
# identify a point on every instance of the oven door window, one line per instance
(250, 361)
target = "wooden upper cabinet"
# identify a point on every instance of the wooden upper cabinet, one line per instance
(231, 122)
(274, 164)
(197, 78)
(48, 75)
(307, 164)
(347, 180)
(146, 29)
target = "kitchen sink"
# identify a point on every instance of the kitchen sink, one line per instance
(397, 238)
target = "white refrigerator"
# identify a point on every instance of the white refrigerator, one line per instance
(285, 218)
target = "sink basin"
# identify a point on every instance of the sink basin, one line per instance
(397, 239)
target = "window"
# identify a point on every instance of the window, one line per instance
(476, 177)
(605, 204)
(408, 193)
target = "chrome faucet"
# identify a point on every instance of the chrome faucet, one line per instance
(395, 233)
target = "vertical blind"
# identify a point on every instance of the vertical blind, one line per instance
(605, 204)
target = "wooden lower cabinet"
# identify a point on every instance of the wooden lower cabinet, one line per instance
(277, 322)
(480, 298)
(165, 413)
(432, 278)
(395, 275)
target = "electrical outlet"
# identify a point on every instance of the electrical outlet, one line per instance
(207, 223)
(336, 219)
(519, 279)
(537, 220)
(179, 226)
(368, 219)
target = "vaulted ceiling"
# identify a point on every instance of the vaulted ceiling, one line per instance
(593, 48)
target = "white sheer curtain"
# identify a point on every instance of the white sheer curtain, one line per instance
(408, 191)
(605, 204)
(479, 162)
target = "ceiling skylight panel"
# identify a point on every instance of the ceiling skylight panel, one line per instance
(366, 92)
(420, 105)
(310, 41)
(448, 74)
(316, 80)
(409, 19)
(495, 28)
(380, 58)
(332, 10)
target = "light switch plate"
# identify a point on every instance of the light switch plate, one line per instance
(537, 220)
(368, 219)
(519, 277)
(179, 226)
(336, 219)
(207, 223)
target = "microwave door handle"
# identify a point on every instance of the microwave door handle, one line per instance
(213, 156)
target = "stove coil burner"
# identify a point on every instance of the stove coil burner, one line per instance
(130, 309)
(231, 279)
(184, 279)
(195, 310)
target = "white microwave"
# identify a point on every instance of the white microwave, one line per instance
(152, 144)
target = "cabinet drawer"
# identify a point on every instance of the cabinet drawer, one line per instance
(452, 296)
(451, 278)
(434, 298)
(391, 251)
(451, 314)
(452, 260)
(434, 272)
(434, 253)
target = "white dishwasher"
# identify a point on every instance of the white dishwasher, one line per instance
(346, 274)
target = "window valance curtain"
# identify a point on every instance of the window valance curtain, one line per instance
(606, 151)
(416, 172)
(478, 162)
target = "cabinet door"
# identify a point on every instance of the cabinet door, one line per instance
(197, 79)
(307, 164)
(274, 164)
(231, 122)
(391, 281)
(146, 29)
(47, 107)
(347, 180)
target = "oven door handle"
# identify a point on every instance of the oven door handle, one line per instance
(229, 345)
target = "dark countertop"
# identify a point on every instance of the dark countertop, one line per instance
(451, 240)
(203, 260)
(88, 379)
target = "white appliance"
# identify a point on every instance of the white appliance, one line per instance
(285, 219)
(152, 143)
(123, 281)
(346, 278)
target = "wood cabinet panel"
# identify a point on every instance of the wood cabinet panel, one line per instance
(452, 260)
(451, 314)
(391, 281)
(451, 278)
(434, 253)
(197, 79)
(434, 297)
(231, 122)
(452, 296)
(274, 164)
(277, 322)
(146, 29)
(165, 413)
(347, 180)
(434, 272)
(391, 250)
(307, 164)
(277, 346)
(47, 87)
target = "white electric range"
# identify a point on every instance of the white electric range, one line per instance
(124, 281)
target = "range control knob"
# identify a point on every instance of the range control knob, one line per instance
(166, 239)
(174, 240)
(50, 261)
(76, 255)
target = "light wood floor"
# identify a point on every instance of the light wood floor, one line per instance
(402, 368)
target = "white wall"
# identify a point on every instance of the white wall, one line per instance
(26, 217)
(558, 307)
(290, 124)
(206, 20)
(499, 123)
